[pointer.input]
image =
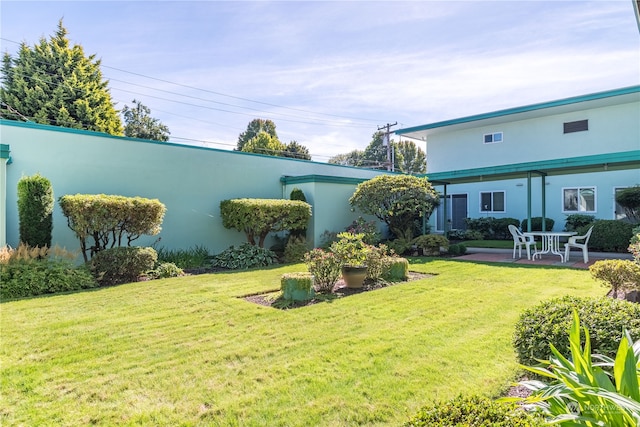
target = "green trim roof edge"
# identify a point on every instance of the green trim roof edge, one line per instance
(324, 179)
(523, 109)
(625, 157)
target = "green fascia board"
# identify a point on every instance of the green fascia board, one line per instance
(626, 159)
(324, 179)
(523, 109)
(4, 151)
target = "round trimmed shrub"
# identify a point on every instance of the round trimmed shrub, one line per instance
(396, 269)
(549, 323)
(473, 411)
(122, 264)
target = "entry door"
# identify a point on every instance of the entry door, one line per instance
(456, 212)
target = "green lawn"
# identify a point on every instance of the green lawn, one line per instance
(188, 351)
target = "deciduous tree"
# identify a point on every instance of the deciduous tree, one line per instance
(254, 127)
(413, 159)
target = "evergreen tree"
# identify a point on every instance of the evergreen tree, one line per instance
(375, 155)
(54, 83)
(140, 124)
(297, 151)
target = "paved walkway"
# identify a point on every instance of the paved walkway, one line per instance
(505, 255)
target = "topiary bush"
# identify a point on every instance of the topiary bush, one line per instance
(164, 270)
(619, 274)
(536, 224)
(549, 323)
(396, 269)
(243, 257)
(123, 264)
(35, 210)
(609, 235)
(473, 411)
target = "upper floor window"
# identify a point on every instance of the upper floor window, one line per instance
(577, 126)
(492, 201)
(580, 199)
(490, 138)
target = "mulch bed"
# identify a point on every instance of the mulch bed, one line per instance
(340, 290)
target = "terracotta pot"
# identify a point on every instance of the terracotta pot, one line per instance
(354, 275)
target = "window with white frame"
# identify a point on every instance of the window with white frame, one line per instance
(492, 201)
(492, 138)
(579, 199)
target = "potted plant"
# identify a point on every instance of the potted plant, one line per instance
(431, 244)
(351, 252)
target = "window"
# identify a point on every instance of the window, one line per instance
(492, 202)
(491, 138)
(581, 199)
(578, 126)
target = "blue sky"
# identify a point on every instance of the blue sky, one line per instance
(330, 73)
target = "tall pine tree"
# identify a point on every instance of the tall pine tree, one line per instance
(54, 83)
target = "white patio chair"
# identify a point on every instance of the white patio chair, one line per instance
(573, 243)
(520, 239)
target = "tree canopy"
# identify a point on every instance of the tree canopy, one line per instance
(140, 124)
(261, 137)
(397, 200)
(407, 157)
(54, 83)
(254, 127)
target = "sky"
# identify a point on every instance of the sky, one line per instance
(331, 73)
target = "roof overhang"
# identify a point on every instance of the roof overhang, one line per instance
(595, 100)
(573, 165)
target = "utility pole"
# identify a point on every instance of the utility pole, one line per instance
(388, 141)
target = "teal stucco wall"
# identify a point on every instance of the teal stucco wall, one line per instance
(190, 181)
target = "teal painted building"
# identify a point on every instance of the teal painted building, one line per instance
(191, 181)
(553, 159)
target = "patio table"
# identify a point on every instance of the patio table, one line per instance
(550, 242)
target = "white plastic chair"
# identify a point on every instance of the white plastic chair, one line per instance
(572, 243)
(520, 239)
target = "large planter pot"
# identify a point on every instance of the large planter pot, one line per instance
(297, 287)
(354, 275)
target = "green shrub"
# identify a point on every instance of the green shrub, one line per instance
(324, 267)
(500, 228)
(536, 224)
(194, 257)
(327, 238)
(473, 411)
(259, 217)
(399, 246)
(480, 225)
(164, 270)
(396, 269)
(122, 264)
(297, 286)
(549, 323)
(431, 243)
(575, 222)
(457, 249)
(297, 194)
(368, 229)
(581, 392)
(295, 249)
(617, 273)
(377, 256)
(25, 278)
(243, 257)
(110, 220)
(490, 228)
(609, 235)
(634, 245)
(350, 249)
(35, 210)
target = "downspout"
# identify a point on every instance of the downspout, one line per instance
(544, 202)
(5, 159)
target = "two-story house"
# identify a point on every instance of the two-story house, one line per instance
(550, 159)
